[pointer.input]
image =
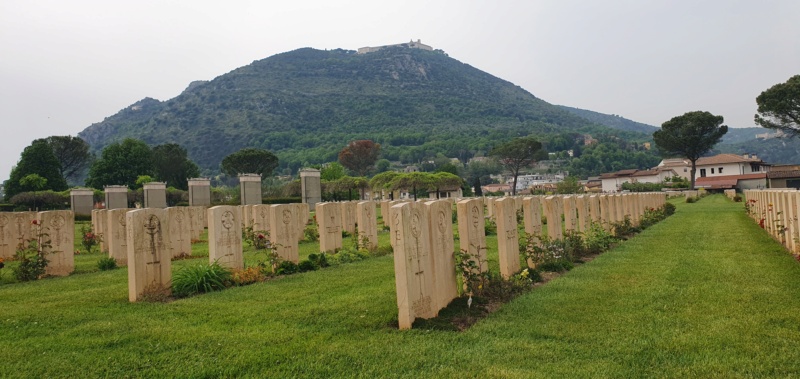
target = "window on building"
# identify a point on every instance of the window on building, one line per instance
(755, 167)
(719, 170)
(702, 173)
(685, 169)
(712, 170)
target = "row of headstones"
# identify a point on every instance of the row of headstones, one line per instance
(777, 211)
(730, 193)
(54, 232)
(149, 230)
(422, 237)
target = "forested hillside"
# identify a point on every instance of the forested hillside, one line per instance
(305, 105)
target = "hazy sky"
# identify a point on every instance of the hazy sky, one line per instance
(67, 64)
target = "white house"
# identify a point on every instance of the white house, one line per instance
(612, 182)
(723, 171)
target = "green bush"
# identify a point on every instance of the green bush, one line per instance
(281, 200)
(556, 266)
(489, 227)
(597, 239)
(321, 260)
(737, 198)
(106, 263)
(307, 265)
(32, 261)
(192, 280)
(287, 268)
(669, 209)
(7, 207)
(691, 199)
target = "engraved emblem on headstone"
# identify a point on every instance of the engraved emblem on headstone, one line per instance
(287, 216)
(152, 227)
(57, 226)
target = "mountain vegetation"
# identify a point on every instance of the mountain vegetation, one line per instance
(304, 105)
(611, 121)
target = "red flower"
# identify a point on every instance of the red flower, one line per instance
(261, 236)
(761, 223)
(35, 222)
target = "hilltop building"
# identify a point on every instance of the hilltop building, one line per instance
(411, 45)
(723, 171)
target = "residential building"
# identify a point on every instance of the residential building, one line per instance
(723, 171)
(612, 181)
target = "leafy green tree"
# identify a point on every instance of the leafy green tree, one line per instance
(412, 181)
(331, 171)
(349, 183)
(121, 163)
(72, 154)
(382, 165)
(250, 161)
(518, 154)
(171, 164)
(38, 158)
(383, 180)
(444, 179)
(360, 156)
(35, 182)
(690, 136)
(779, 107)
(569, 185)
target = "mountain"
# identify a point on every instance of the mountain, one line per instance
(306, 105)
(611, 121)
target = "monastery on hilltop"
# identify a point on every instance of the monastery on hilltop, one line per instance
(410, 45)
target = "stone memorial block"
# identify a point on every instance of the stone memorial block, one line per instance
(413, 265)
(149, 260)
(60, 229)
(261, 217)
(445, 282)
(594, 208)
(81, 201)
(619, 206)
(250, 189)
(518, 202)
(225, 236)
(23, 229)
(490, 207)
(283, 231)
(102, 229)
(385, 212)
(199, 192)
(116, 197)
(507, 236)
(197, 220)
(310, 187)
(248, 217)
(155, 195)
(329, 219)
(471, 230)
(387, 219)
(582, 204)
(116, 235)
(180, 231)
(553, 207)
(349, 216)
(570, 213)
(302, 214)
(532, 216)
(367, 225)
(8, 244)
(605, 211)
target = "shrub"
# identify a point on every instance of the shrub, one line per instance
(311, 233)
(89, 239)
(32, 260)
(556, 266)
(40, 199)
(192, 280)
(247, 276)
(624, 228)
(691, 199)
(737, 198)
(259, 239)
(307, 265)
(106, 263)
(286, 268)
(669, 209)
(321, 260)
(489, 227)
(597, 239)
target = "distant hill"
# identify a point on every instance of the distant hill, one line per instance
(611, 121)
(306, 104)
(739, 135)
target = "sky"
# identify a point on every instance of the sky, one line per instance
(65, 65)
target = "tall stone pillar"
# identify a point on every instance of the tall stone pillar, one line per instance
(155, 195)
(310, 187)
(250, 189)
(116, 197)
(199, 192)
(81, 201)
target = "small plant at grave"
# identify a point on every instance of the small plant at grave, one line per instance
(624, 228)
(348, 256)
(489, 227)
(691, 199)
(274, 259)
(311, 233)
(2, 264)
(249, 275)
(106, 263)
(382, 250)
(520, 217)
(319, 259)
(31, 256)
(468, 267)
(552, 255)
(89, 239)
(669, 209)
(287, 268)
(597, 239)
(737, 199)
(193, 280)
(258, 239)
(748, 206)
(307, 265)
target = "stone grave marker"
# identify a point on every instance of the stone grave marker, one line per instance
(225, 236)
(310, 187)
(570, 213)
(329, 219)
(507, 236)
(582, 205)
(60, 229)
(412, 265)
(283, 231)
(149, 260)
(367, 225)
(553, 206)
(445, 283)
(81, 201)
(471, 230)
(594, 208)
(261, 217)
(180, 231)
(8, 244)
(116, 196)
(199, 192)
(250, 189)
(302, 213)
(532, 217)
(116, 235)
(349, 216)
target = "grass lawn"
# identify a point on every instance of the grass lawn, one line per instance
(705, 293)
